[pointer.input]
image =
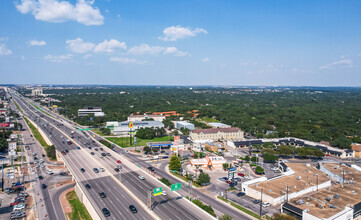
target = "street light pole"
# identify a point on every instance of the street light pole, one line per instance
(260, 208)
(317, 181)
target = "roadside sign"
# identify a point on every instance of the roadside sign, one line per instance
(176, 186)
(157, 191)
(232, 169)
(38, 109)
(230, 175)
(135, 140)
(12, 153)
(130, 124)
(91, 118)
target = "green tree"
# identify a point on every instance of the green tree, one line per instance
(203, 178)
(168, 123)
(146, 149)
(268, 151)
(50, 151)
(269, 157)
(165, 181)
(174, 163)
(185, 131)
(285, 150)
(268, 145)
(259, 170)
(155, 150)
(225, 166)
(247, 158)
(254, 159)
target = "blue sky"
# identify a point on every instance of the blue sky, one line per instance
(170, 42)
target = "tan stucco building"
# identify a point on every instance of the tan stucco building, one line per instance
(215, 134)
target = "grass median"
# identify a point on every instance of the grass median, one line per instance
(36, 133)
(124, 141)
(17, 106)
(243, 209)
(78, 209)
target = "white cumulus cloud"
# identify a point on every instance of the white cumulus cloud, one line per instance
(37, 43)
(126, 60)
(79, 46)
(338, 63)
(4, 50)
(60, 11)
(58, 59)
(109, 46)
(174, 33)
(155, 50)
(205, 60)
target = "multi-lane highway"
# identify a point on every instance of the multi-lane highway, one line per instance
(117, 201)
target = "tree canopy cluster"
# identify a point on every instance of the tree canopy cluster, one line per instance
(315, 114)
(150, 133)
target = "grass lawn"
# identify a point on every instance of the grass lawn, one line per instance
(207, 120)
(124, 141)
(78, 209)
(37, 107)
(36, 133)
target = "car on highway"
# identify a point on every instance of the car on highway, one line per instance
(102, 194)
(89, 148)
(164, 193)
(104, 154)
(88, 186)
(43, 155)
(101, 148)
(44, 186)
(133, 209)
(63, 153)
(108, 154)
(95, 170)
(101, 169)
(50, 172)
(78, 148)
(92, 153)
(100, 156)
(82, 170)
(116, 169)
(266, 204)
(256, 201)
(141, 177)
(118, 161)
(96, 149)
(66, 150)
(106, 212)
(151, 168)
(241, 194)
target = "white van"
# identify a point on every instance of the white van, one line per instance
(49, 172)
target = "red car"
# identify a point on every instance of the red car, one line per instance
(118, 161)
(16, 203)
(241, 174)
(328, 155)
(227, 181)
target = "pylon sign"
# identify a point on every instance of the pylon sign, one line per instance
(130, 124)
(157, 191)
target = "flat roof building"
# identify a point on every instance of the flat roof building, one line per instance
(218, 125)
(123, 127)
(95, 111)
(184, 124)
(146, 117)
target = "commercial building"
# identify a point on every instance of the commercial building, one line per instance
(119, 128)
(210, 162)
(167, 114)
(298, 180)
(217, 134)
(339, 201)
(357, 149)
(134, 118)
(95, 111)
(37, 92)
(218, 125)
(184, 124)
(333, 151)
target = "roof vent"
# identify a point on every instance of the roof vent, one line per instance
(329, 198)
(299, 178)
(353, 192)
(300, 202)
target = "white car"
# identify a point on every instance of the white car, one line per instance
(49, 172)
(164, 193)
(20, 206)
(42, 165)
(100, 156)
(266, 204)
(141, 177)
(101, 169)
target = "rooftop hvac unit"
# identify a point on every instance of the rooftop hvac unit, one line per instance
(299, 178)
(300, 202)
(329, 198)
(307, 210)
(269, 190)
(353, 192)
(336, 196)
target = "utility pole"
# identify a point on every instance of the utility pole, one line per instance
(287, 192)
(190, 190)
(260, 206)
(317, 181)
(2, 176)
(149, 199)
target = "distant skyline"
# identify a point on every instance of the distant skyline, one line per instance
(189, 42)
